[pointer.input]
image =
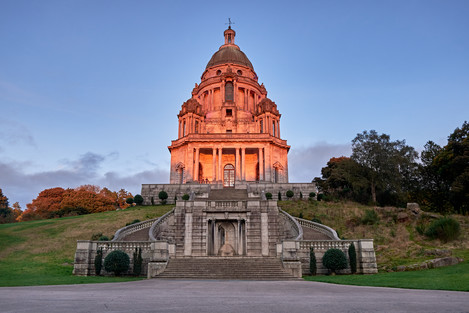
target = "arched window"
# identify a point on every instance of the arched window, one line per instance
(184, 129)
(196, 130)
(273, 128)
(262, 126)
(228, 175)
(229, 91)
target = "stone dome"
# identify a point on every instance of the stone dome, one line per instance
(229, 54)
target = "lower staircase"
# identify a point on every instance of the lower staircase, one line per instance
(243, 268)
(228, 194)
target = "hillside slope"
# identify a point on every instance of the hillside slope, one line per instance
(42, 252)
(396, 239)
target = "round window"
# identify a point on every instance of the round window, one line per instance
(240, 73)
(218, 72)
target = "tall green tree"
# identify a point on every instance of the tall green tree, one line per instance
(390, 165)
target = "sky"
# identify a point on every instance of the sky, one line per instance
(90, 90)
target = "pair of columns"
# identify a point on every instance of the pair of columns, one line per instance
(240, 166)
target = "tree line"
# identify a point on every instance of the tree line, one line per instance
(385, 172)
(59, 202)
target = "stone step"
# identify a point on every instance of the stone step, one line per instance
(226, 268)
(139, 235)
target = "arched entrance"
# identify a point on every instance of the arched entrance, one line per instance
(228, 175)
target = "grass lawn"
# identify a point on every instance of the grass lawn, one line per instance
(454, 278)
(42, 252)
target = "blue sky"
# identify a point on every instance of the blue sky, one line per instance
(90, 90)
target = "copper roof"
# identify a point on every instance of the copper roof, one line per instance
(229, 54)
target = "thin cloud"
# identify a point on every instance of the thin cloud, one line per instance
(305, 163)
(19, 185)
(14, 133)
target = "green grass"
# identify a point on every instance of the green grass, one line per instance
(454, 278)
(42, 252)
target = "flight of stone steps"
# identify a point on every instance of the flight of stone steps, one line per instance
(242, 268)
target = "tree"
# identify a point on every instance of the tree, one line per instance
(163, 195)
(312, 262)
(7, 215)
(334, 260)
(352, 256)
(390, 165)
(3, 200)
(138, 199)
(117, 261)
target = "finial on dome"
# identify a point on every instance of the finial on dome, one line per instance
(229, 23)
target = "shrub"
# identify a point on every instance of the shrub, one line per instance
(95, 237)
(152, 200)
(300, 215)
(312, 195)
(352, 256)
(117, 261)
(316, 220)
(312, 262)
(98, 262)
(445, 229)
(133, 222)
(129, 200)
(279, 196)
(334, 259)
(185, 197)
(370, 217)
(301, 195)
(268, 195)
(289, 194)
(138, 199)
(137, 270)
(321, 196)
(175, 198)
(103, 238)
(163, 195)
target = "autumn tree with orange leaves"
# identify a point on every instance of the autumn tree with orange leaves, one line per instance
(58, 202)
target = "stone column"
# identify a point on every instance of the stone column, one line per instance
(243, 163)
(278, 129)
(188, 235)
(261, 165)
(196, 172)
(264, 234)
(214, 164)
(237, 165)
(220, 171)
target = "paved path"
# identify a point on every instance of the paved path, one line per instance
(227, 296)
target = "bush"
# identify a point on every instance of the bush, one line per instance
(312, 195)
(133, 222)
(185, 197)
(268, 195)
(334, 260)
(138, 199)
(321, 197)
(152, 200)
(117, 261)
(445, 229)
(129, 200)
(312, 262)
(137, 270)
(352, 256)
(96, 237)
(316, 220)
(98, 262)
(300, 215)
(289, 194)
(279, 196)
(163, 195)
(301, 195)
(370, 217)
(103, 238)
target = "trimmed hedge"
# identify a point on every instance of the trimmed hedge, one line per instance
(117, 262)
(334, 260)
(352, 256)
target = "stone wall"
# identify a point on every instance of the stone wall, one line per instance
(156, 252)
(297, 252)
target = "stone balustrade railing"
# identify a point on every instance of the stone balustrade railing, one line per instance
(324, 245)
(127, 230)
(298, 230)
(158, 222)
(323, 229)
(127, 246)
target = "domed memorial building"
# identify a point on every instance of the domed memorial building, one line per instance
(228, 159)
(229, 131)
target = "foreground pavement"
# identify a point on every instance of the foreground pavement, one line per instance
(158, 295)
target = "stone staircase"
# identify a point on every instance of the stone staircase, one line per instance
(228, 194)
(139, 235)
(243, 268)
